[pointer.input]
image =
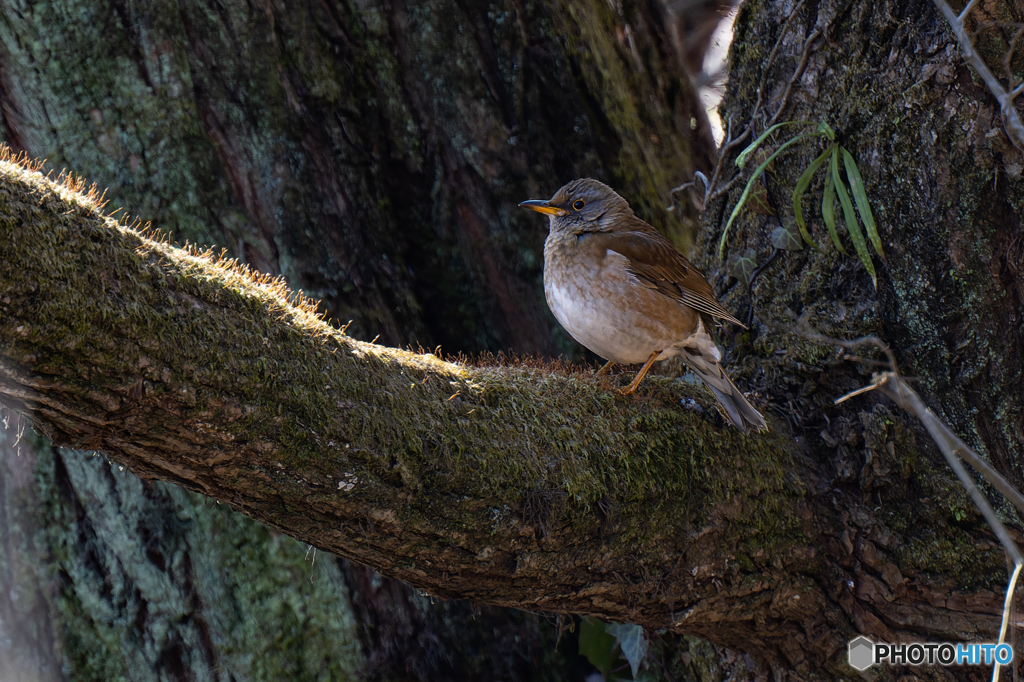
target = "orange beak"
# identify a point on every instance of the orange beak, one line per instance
(541, 206)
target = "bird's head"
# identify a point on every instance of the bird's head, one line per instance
(583, 205)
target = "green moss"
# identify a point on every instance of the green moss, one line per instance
(323, 407)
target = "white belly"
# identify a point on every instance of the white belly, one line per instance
(607, 310)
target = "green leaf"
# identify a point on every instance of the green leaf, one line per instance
(798, 193)
(741, 160)
(750, 183)
(851, 221)
(596, 644)
(742, 266)
(826, 130)
(860, 195)
(787, 236)
(758, 200)
(632, 641)
(828, 210)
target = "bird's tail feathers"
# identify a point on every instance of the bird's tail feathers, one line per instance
(741, 413)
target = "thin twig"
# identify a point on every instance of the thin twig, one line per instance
(962, 449)
(951, 445)
(967, 9)
(723, 152)
(783, 101)
(953, 449)
(771, 60)
(796, 74)
(1008, 59)
(852, 394)
(805, 330)
(1011, 118)
(313, 565)
(688, 185)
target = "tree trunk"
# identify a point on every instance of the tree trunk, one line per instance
(843, 522)
(941, 176)
(372, 154)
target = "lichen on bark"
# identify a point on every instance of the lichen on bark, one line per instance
(852, 526)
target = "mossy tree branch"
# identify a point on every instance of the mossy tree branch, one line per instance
(518, 486)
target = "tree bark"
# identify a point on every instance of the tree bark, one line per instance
(476, 482)
(844, 521)
(370, 153)
(941, 175)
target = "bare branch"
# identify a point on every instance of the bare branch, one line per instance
(951, 446)
(896, 389)
(801, 65)
(1011, 118)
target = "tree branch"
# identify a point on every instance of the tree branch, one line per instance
(517, 486)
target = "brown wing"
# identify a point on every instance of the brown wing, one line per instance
(655, 262)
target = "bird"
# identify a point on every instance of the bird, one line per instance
(622, 290)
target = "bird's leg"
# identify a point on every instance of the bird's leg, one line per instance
(604, 370)
(629, 390)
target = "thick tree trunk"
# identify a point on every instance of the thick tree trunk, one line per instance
(942, 178)
(372, 154)
(783, 547)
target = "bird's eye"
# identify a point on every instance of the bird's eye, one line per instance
(579, 204)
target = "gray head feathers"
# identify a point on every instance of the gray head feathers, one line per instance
(589, 206)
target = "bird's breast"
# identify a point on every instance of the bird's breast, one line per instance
(604, 307)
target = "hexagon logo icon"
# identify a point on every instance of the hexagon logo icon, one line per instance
(862, 653)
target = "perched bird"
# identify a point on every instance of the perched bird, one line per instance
(623, 291)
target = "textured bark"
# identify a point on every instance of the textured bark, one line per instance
(944, 183)
(372, 153)
(469, 482)
(782, 547)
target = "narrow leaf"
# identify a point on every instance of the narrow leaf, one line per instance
(851, 221)
(744, 156)
(632, 641)
(787, 236)
(828, 210)
(826, 130)
(750, 183)
(860, 195)
(798, 194)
